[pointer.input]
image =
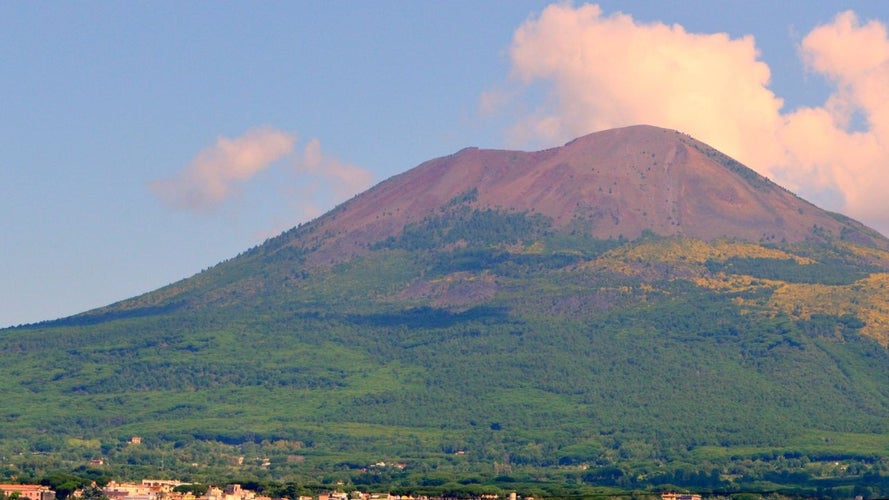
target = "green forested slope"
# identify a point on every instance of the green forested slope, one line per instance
(477, 341)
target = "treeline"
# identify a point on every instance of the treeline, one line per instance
(595, 482)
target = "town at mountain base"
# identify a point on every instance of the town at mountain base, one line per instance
(631, 311)
(165, 489)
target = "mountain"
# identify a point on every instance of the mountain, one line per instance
(611, 184)
(631, 309)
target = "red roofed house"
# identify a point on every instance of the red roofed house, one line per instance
(29, 491)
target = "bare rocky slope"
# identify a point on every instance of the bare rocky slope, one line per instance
(612, 184)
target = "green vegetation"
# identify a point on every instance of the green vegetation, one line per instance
(479, 352)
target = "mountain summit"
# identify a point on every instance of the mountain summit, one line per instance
(612, 184)
(631, 300)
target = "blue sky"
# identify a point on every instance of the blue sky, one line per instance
(117, 116)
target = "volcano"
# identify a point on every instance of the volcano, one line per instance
(612, 184)
(628, 301)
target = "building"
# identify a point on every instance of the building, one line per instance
(148, 489)
(680, 496)
(29, 491)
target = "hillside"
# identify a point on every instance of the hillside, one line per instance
(631, 309)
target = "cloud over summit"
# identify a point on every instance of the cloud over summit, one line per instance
(602, 71)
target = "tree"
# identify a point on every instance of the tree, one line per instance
(64, 484)
(93, 492)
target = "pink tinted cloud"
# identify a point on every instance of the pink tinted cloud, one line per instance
(854, 56)
(611, 71)
(603, 71)
(218, 172)
(320, 181)
(342, 179)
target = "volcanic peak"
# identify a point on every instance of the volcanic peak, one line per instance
(613, 184)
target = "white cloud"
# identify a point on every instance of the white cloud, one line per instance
(610, 71)
(341, 179)
(319, 183)
(855, 161)
(603, 71)
(217, 172)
